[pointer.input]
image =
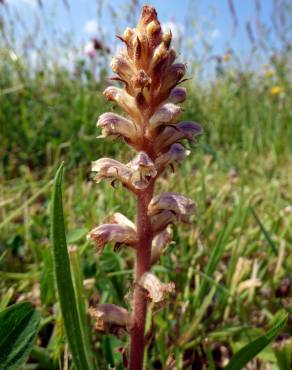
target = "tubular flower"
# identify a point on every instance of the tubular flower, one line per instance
(167, 114)
(171, 134)
(150, 95)
(115, 125)
(134, 175)
(115, 233)
(176, 154)
(181, 206)
(124, 100)
(107, 168)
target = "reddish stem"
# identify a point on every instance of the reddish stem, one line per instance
(143, 264)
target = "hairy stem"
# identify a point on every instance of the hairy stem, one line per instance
(143, 264)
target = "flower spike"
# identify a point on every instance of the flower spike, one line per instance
(150, 95)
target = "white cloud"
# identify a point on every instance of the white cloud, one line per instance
(90, 26)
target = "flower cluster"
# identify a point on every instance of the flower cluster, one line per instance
(150, 96)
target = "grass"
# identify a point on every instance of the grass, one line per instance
(231, 268)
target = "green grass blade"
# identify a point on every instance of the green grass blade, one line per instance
(248, 352)
(18, 329)
(80, 298)
(63, 278)
(269, 239)
(265, 232)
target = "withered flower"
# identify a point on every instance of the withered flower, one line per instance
(110, 318)
(159, 243)
(115, 233)
(150, 95)
(157, 291)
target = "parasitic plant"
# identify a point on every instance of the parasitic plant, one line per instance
(150, 96)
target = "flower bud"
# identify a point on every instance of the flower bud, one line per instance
(166, 38)
(123, 67)
(176, 154)
(157, 291)
(178, 204)
(171, 134)
(113, 124)
(115, 233)
(142, 170)
(159, 243)
(167, 114)
(128, 34)
(153, 31)
(148, 15)
(173, 75)
(159, 54)
(110, 317)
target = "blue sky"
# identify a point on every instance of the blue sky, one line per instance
(211, 18)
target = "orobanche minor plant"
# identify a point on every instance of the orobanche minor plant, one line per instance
(150, 94)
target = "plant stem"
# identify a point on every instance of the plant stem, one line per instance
(143, 264)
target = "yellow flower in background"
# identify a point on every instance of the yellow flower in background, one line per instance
(269, 72)
(227, 57)
(275, 90)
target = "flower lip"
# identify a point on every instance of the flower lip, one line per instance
(161, 220)
(142, 170)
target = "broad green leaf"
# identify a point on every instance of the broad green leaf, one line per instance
(248, 352)
(64, 282)
(18, 329)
